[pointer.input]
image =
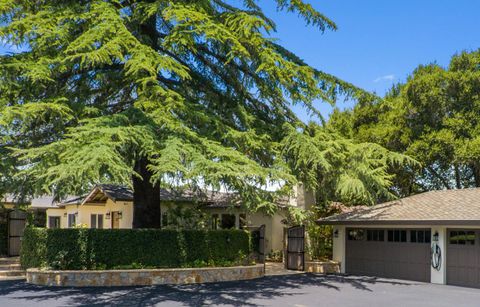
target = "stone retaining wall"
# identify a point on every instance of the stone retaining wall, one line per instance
(328, 267)
(142, 277)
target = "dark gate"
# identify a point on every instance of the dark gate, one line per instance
(16, 226)
(258, 240)
(296, 248)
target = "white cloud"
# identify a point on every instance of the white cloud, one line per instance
(385, 78)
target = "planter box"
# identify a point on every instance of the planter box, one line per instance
(323, 267)
(109, 278)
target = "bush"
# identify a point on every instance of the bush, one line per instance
(319, 243)
(33, 249)
(79, 249)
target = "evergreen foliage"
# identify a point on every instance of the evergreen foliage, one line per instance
(197, 89)
(169, 92)
(339, 169)
(434, 117)
(94, 249)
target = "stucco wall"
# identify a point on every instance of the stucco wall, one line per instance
(85, 211)
(273, 234)
(273, 231)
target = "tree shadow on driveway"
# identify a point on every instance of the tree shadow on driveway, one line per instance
(239, 293)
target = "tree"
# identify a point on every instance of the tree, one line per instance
(150, 93)
(339, 169)
(434, 117)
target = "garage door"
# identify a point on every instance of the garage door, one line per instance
(463, 257)
(391, 253)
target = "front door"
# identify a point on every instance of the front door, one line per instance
(115, 220)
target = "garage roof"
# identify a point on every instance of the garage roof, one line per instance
(443, 207)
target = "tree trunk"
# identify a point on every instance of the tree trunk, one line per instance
(457, 177)
(476, 173)
(146, 198)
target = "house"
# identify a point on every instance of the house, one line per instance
(111, 206)
(12, 221)
(430, 237)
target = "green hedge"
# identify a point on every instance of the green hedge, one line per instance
(77, 249)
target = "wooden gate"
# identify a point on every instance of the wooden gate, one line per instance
(16, 226)
(296, 248)
(258, 242)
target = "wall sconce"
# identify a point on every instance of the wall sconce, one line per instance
(76, 214)
(107, 216)
(335, 233)
(435, 236)
(65, 214)
(120, 215)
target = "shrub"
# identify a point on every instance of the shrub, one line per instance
(33, 250)
(78, 249)
(319, 242)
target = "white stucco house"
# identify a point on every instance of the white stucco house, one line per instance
(111, 206)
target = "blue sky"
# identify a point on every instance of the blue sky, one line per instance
(378, 42)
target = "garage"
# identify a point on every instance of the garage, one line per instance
(430, 237)
(463, 261)
(391, 253)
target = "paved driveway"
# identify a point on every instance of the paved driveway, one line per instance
(292, 290)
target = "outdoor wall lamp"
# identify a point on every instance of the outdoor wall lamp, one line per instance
(120, 214)
(65, 214)
(107, 216)
(435, 236)
(335, 233)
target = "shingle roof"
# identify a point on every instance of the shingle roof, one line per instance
(448, 207)
(116, 192)
(123, 193)
(40, 202)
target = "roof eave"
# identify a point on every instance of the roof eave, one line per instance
(402, 222)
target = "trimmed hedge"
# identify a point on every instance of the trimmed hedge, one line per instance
(91, 249)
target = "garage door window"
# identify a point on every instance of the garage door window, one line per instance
(375, 235)
(355, 234)
(420, 236)
(462, 237)
(396, 235)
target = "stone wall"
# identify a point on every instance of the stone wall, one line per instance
(329, 267)
(142, 277)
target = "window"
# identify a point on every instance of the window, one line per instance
(96, 221)
(53, 222)
(396, 235)
(462, 237)
(215, 221)
(375, 235)
(420, 236)
(71, 220)
(228, 221)
(355, 234)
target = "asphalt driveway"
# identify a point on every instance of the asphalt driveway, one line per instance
(291, 290)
